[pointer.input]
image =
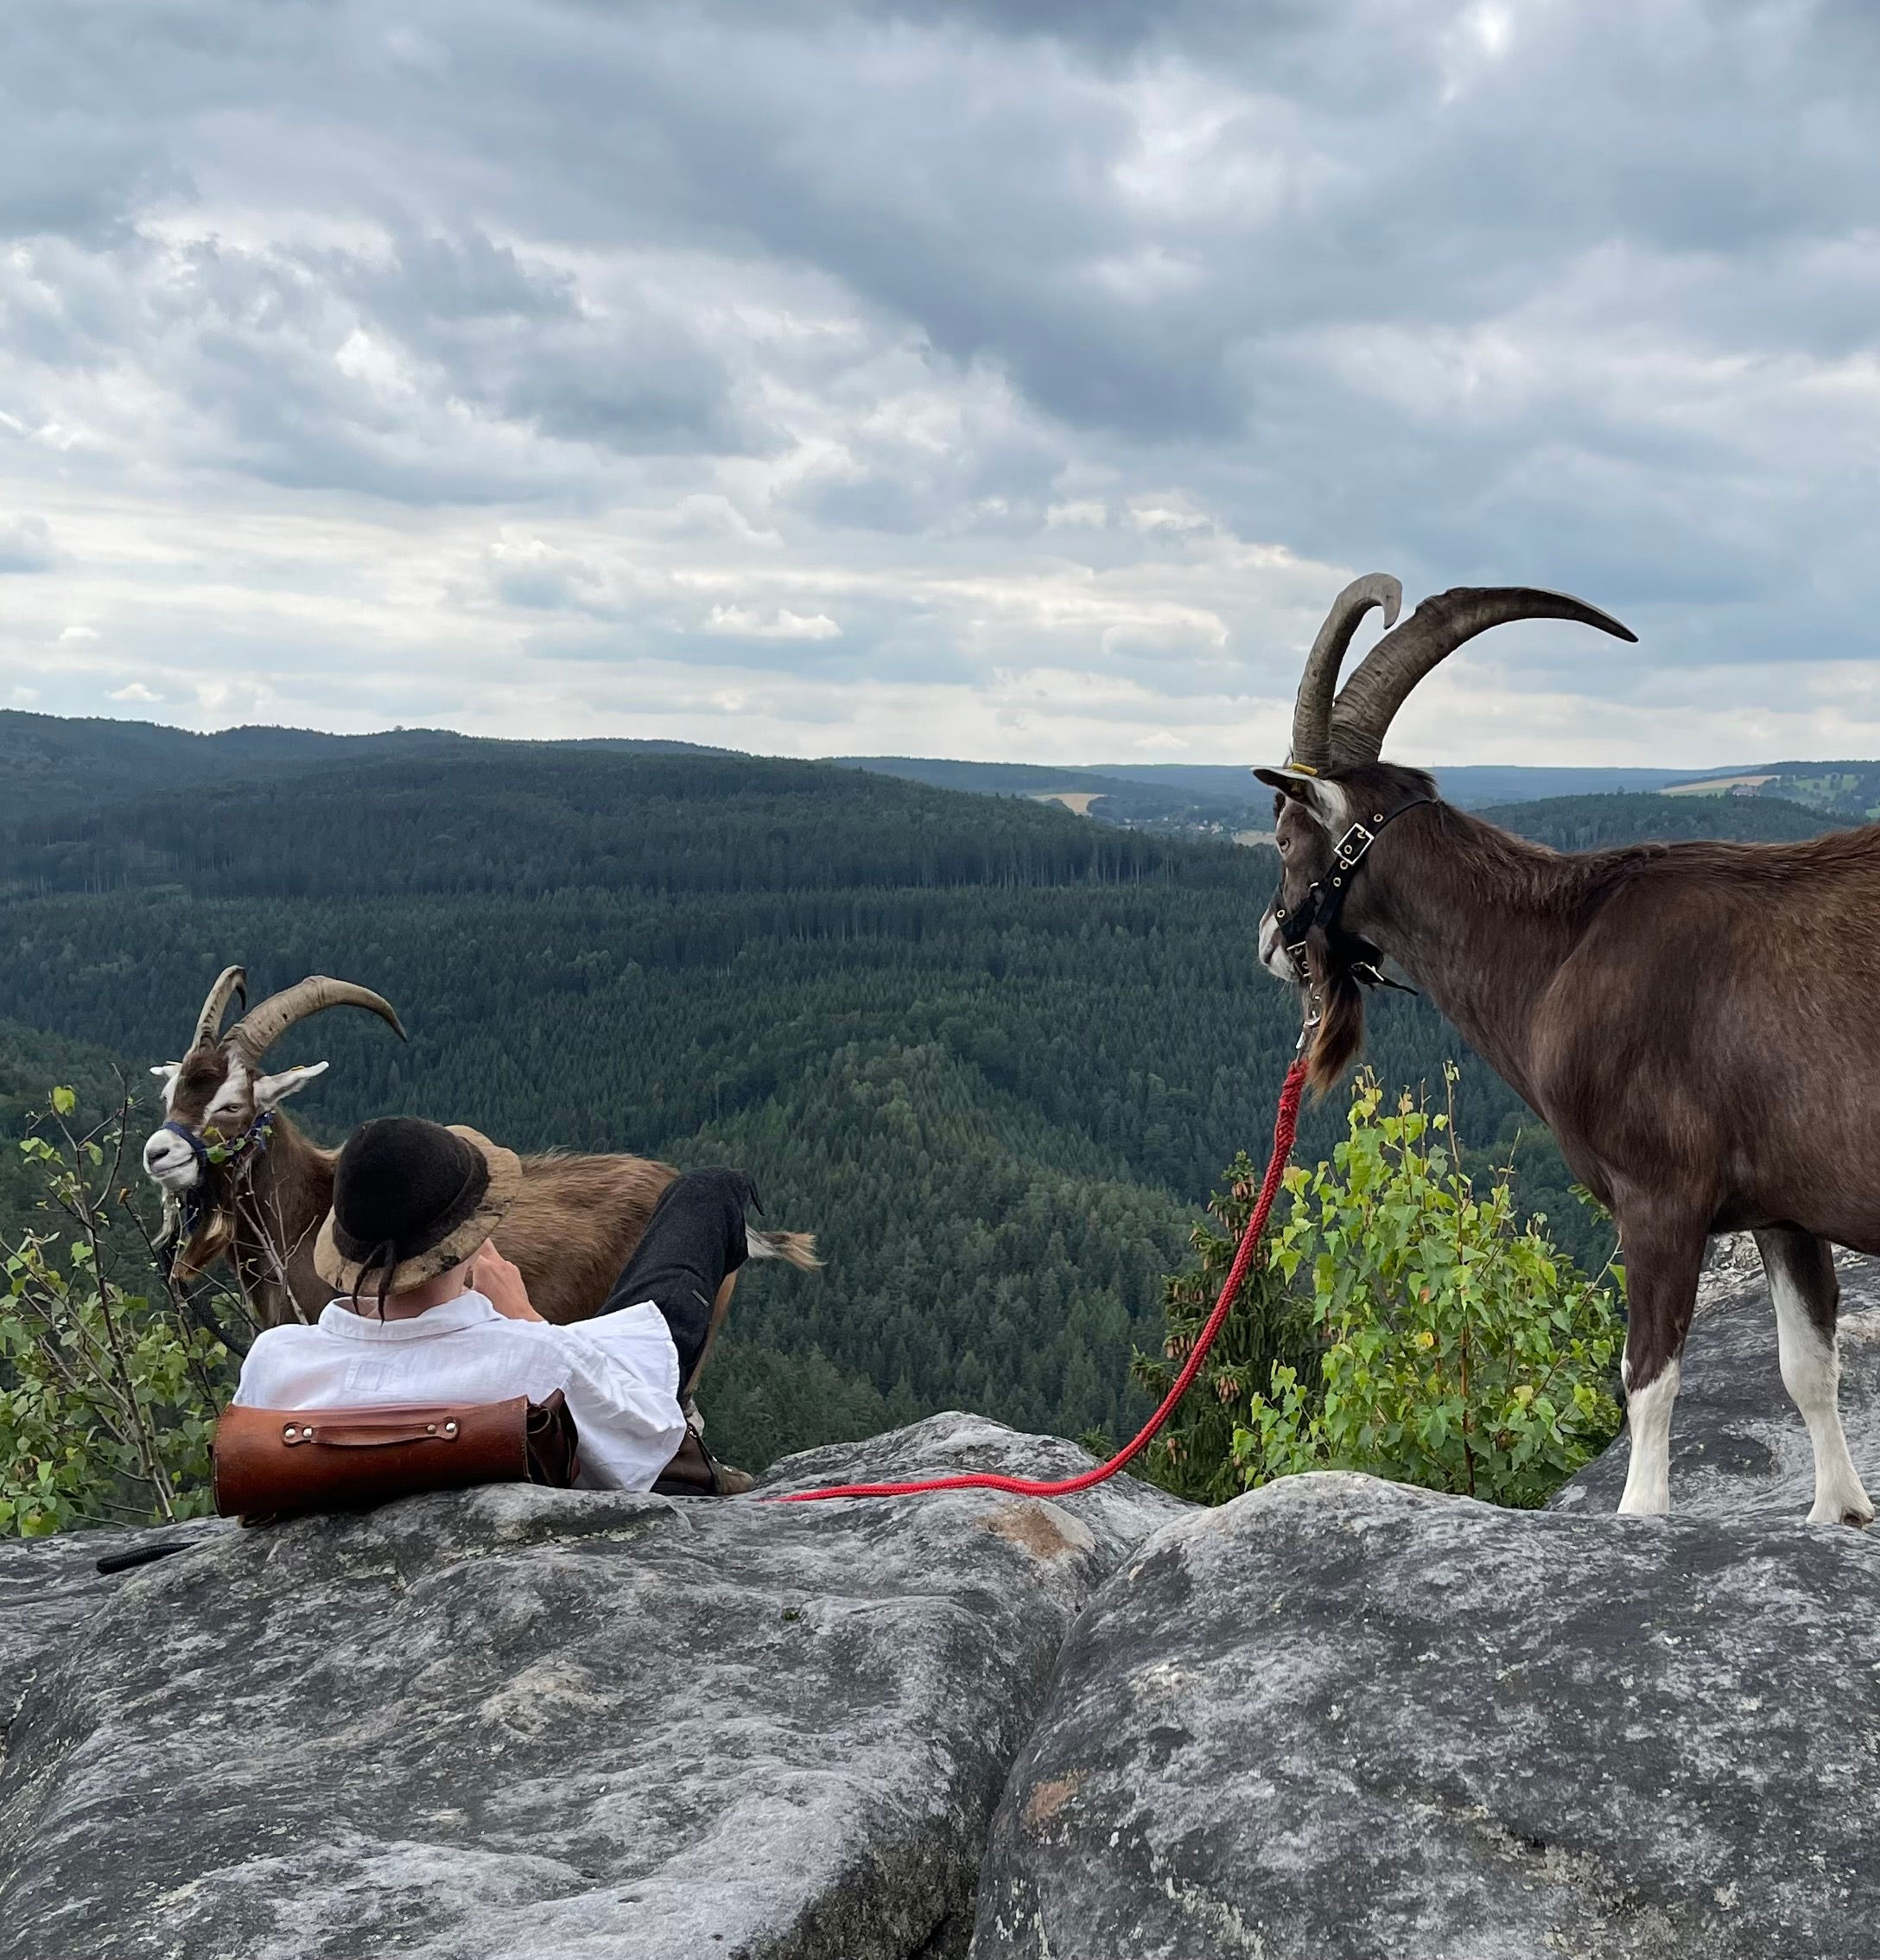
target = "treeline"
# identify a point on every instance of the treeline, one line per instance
(540, 819)
(1597, 823)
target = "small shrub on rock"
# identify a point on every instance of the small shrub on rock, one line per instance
(1438, 1340)
(109, 1387)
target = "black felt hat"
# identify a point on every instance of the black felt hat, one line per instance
(411, 1198)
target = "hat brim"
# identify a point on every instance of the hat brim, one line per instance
(505, 1180)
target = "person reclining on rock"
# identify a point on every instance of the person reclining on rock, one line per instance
(430, 1312)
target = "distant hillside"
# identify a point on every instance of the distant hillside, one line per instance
(1175, 806)
(51, 765)
(1471, 787)
(1591, 823)
(1849, 790)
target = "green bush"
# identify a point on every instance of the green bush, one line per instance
(1436, 1341)
(108, 1386)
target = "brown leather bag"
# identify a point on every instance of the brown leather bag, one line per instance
(282, 1462)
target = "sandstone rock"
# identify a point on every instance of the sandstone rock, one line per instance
(1738, 1449)
(529, 1722)
(1339, 1717)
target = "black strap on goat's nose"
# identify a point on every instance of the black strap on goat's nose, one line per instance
(1325, 897)
(198, 1148)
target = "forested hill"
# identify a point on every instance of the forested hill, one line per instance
(1595, 823)
(535, 819)
(992, 1052)
(50, 764)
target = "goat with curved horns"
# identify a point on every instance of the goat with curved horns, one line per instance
(239, 1179)
(1698, 1023)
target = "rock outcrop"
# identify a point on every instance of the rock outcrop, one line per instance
(528, 1722)
(1340, 1717)
(1336, 1720)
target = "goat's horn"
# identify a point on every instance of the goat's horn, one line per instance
(1366, 703)
(1312, 711)
(230, 980)
(261, 1026)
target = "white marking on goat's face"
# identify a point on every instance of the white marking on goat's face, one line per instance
(205, 1092)
(231, 1107)
(169, 1162)
(1308, 815)
(1273, 953)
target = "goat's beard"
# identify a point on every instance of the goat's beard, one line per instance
(1340, 1033)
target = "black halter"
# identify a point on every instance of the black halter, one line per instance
(1325, 900)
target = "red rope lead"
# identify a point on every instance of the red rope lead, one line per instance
(1285, 1123)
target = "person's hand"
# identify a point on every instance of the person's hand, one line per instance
(500, 1283)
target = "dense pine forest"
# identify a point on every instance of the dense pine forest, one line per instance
(994, 1055)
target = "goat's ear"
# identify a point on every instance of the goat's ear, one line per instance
(166, 1072)
(1324, 802)
(270, 1090)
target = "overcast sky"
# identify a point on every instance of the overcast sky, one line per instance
(1000, 380)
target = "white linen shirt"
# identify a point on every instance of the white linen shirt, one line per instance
(619, 1372)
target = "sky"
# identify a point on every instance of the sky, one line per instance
(1013, 381)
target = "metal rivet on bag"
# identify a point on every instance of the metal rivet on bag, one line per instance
(450, 1429)
(430, 1428)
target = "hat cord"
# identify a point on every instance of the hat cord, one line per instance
(386, 1249)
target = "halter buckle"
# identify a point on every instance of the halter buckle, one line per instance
(1349, 854)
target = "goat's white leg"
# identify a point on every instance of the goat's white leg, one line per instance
(1647, 1416)
(1664, 1252)
(1807, 1295)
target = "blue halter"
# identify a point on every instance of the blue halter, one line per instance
(253, 1141)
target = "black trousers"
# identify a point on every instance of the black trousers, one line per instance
(693, 1241)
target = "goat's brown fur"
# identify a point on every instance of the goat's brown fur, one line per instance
(1699, 1024)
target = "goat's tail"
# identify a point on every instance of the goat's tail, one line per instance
(799, 1248)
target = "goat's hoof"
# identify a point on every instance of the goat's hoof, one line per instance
(1860, 1519)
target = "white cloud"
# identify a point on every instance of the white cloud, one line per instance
(136, 691)
(747, 623)
(532, 368)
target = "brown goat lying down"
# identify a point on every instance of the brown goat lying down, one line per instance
(570, 1230)
(578, 1218)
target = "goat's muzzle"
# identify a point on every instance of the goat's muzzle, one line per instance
(169, 1162)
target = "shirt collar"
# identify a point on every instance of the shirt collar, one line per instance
(466, 1310)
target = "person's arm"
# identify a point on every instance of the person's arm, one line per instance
(500, 1282)
(629, 1418)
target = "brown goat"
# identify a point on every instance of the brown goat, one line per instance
(240, 1180)
(1698, 1024)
